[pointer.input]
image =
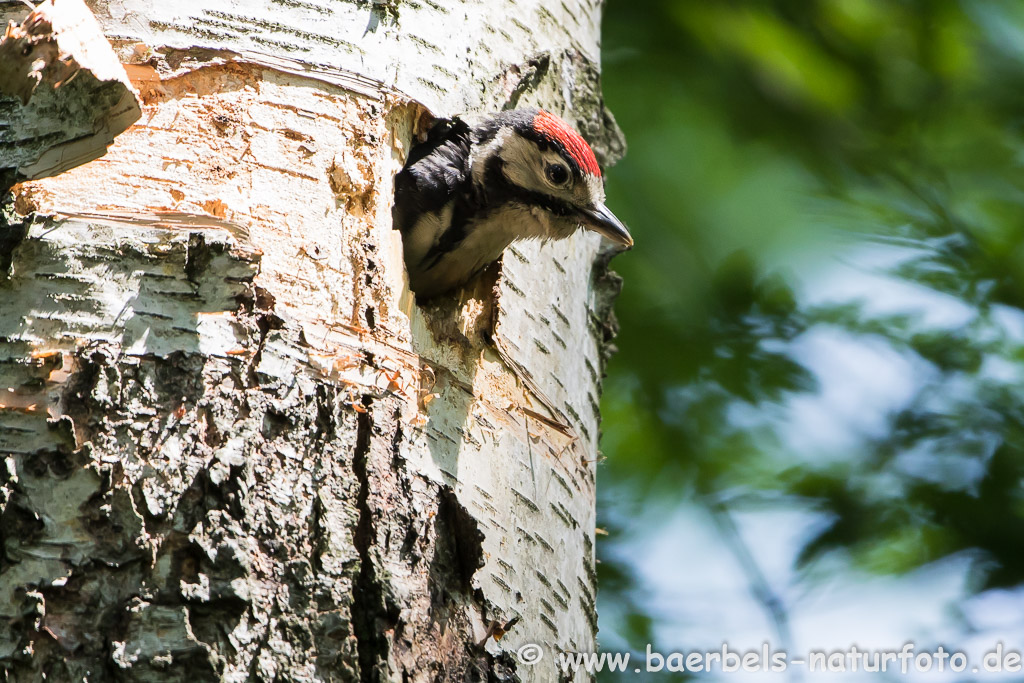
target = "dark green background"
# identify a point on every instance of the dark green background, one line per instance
(770, 143)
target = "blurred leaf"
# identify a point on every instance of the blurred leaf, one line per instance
(770, 139)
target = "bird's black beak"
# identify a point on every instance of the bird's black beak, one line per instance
(602, 221)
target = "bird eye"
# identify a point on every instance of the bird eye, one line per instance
(557, 174)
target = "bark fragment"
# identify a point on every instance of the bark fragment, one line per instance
(63, 93)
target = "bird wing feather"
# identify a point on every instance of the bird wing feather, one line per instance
(434, 172)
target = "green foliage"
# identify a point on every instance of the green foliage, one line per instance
(767, 140)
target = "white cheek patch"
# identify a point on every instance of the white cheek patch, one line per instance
(523, 161)
(526, 168)
(523, 164)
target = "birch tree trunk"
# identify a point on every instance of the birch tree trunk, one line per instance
(235, 448)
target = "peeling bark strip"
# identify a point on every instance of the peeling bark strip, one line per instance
(231, 446)
(63, 94)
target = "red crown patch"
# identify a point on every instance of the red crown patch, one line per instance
(557, 130)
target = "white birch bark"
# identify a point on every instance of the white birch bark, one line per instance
(235, 448)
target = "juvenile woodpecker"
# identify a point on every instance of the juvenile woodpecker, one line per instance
(467, 192)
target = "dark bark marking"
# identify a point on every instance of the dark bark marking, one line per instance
(197, 257)
(459, 541)
(12, 233)
(372, 612)
(260, 304)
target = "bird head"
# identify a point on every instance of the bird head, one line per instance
(534, 160)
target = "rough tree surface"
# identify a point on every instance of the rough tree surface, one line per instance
(233, 445)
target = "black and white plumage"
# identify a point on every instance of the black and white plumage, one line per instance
(467, 192)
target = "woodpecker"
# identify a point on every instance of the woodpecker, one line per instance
(467, 192)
